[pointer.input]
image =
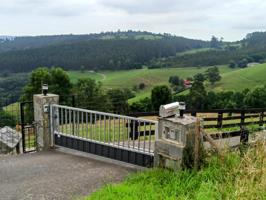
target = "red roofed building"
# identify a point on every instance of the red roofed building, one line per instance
(187, 83)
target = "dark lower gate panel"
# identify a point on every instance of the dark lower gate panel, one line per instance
(136, 158)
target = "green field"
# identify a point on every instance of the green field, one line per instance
(75, 75)
(232, 79)
(243, 78)
(131, 78)
(193, 51)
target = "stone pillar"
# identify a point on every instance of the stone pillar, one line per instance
(179, 144)
(41, 117)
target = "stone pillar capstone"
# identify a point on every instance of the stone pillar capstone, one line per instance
(42, 120)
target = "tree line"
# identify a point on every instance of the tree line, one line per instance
(236, 54)
(11, 87)
(127, 50)
(120, 51)
(91, 95)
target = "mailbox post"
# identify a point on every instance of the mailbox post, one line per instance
(177, 138)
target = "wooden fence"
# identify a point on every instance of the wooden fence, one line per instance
(224, 123)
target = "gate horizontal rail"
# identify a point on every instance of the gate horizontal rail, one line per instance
(124, 132)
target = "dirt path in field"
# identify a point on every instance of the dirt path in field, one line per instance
(54, 175)
(102, 75)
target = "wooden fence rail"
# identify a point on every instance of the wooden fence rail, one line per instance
(218, 122)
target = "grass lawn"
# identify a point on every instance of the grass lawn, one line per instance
(244, 78)
(232, 176)
(75, 75)
(194, 51)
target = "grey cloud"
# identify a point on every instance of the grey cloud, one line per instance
(155, 6)
(45, 7)
(191, 18)
(249, 27)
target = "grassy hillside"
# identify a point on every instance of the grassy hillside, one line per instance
(232, 79)
(131, 78)
(231, 177)
(75, 75)
(193, 51)
(243, 78)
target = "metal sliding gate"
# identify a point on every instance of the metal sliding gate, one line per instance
(118, 137)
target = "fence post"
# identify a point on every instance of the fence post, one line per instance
(220, 120)
(244, 135)
(194, 114)
(261, 118)
(242, 119)
(42, 119)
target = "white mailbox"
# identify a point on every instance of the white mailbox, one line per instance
(176, 108)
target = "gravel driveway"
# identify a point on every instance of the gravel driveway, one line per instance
(54, 175)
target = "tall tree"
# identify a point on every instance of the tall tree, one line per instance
(213, 75)
(118, 99)
(232, 64)
(256, 98)
(174, 80)
(56, 78)
(143, 105)
(91, 95)
(215, 43)
(160, 95)
(197, 93)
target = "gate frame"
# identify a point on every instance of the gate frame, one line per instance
(113, 151)
(23, 125)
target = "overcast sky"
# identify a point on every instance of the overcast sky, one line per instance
(231, 19)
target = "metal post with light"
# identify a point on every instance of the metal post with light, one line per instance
(182, 108)
(45, 89)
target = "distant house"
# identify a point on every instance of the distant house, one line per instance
(187, 83)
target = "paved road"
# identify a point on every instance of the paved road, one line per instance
(54, 175)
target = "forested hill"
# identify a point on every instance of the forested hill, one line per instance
(236, 54)
(110, 50)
